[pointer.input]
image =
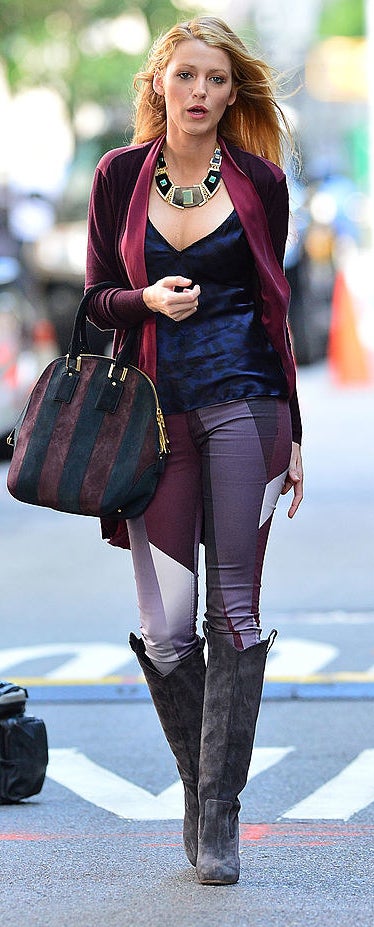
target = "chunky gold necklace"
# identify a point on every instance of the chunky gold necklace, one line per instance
(184, 197)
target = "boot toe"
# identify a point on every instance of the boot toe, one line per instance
(218, 854)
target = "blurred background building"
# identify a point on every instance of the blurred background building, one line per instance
(66, 95)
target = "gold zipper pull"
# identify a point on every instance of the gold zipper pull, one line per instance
(164, 440)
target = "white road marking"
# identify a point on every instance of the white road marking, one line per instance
(325, 618)
(265, 757)
(91, 660)
(105, 789)
(341, 797)
(99, 659)
(297, 656)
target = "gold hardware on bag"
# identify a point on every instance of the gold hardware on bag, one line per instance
(163, 435)
(123, 374)
(78, 363)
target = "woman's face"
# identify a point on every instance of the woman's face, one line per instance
(197, 86)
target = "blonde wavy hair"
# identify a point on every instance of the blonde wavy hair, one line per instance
(254, 122)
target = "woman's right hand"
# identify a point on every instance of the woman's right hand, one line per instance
(162, 296)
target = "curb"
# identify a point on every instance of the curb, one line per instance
(348, 686)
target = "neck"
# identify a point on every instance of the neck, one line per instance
(189, 156)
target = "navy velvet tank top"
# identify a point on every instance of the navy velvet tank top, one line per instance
(221, 352)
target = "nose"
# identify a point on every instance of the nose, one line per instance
(199, 88)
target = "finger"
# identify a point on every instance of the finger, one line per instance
(297, 499)
(181, 299)
(191, 293)
(180, 314)
(291, 479)
(180, 305)
(178, 280)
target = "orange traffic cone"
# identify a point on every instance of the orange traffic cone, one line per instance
(346, 354)
(45, 346)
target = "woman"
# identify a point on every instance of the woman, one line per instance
(191, 220)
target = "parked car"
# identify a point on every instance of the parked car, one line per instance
(57, 259)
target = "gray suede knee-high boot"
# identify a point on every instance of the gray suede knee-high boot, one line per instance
(178, 699)
(233, 691)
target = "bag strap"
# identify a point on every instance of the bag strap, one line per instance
(79, 343)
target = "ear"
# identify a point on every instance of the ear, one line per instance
(157, 83)
(232, 96)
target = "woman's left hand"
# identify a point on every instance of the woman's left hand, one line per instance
(294, 479)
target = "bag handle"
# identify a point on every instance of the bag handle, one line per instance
(79, 340)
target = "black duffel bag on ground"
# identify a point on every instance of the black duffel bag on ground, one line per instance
(23, 747)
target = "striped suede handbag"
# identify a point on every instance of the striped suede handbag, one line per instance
(91, 439)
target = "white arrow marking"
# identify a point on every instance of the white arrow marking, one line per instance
(349, 792)
(105, 789)
(265, 757)
(91, 661)
(297, 656)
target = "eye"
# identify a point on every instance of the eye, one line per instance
(217, 79)
(184, 75)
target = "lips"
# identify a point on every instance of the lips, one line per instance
(197, 110)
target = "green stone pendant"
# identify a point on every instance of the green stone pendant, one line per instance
(185, 197)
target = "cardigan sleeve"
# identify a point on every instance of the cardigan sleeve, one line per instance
(277, 211)
(295, 418)
(119, 306)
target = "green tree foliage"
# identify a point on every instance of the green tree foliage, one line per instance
(342, 17)
(52, 42)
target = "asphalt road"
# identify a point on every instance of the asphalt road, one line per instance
(65, 861)
(102, 842)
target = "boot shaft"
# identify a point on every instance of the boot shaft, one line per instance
(233, 690)
(178, 699)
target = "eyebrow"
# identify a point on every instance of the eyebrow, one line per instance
(211, 70)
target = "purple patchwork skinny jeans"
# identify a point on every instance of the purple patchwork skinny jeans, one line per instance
(226, 469)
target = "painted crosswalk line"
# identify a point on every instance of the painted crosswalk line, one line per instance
(89, 660)
(296, 654)
(344, 795)
(351, 791)
(98, 659)
(111, 792)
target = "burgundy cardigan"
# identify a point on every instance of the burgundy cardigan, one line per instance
(116, 234)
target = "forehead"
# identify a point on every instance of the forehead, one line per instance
(197, 53)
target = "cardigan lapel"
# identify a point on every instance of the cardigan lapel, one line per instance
(132, 248)
(275, 290)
